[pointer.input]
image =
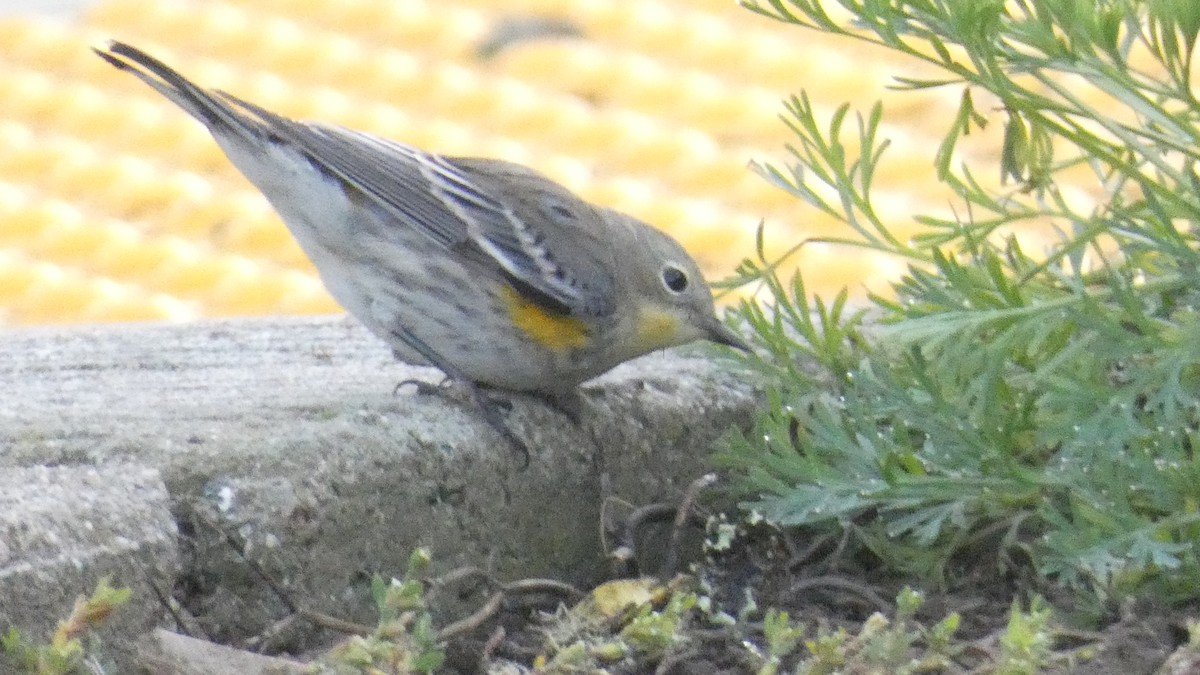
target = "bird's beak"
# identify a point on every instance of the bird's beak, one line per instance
(724, 335)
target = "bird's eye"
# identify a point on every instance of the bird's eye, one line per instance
(674, 279)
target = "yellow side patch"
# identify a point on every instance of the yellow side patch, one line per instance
(548, 329)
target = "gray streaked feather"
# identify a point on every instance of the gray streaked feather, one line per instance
(385, 171)
(460, 200)
(572, 254)
(543, 237)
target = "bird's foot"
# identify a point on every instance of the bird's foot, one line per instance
(491, 408)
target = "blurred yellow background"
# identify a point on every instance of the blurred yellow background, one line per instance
(114, 205)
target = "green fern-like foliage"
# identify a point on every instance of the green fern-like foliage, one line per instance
(1025, 408)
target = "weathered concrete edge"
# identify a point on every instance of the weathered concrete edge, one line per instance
(282, 445)
(64, 529)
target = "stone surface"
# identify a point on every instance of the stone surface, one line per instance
(167, 653)
(64, 528)
(288, 456)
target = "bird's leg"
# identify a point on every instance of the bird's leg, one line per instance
(490, 408)
(487, 406)
(570, 403)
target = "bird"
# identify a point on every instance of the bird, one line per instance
(485, 269)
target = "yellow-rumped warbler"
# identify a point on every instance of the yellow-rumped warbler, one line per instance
(485, 269)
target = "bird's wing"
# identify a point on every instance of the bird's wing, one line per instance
(548, 242)
(462, 202)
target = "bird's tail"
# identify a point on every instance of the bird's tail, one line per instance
(211, 107)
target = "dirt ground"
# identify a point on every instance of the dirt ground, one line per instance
(513, 626)
(819, 589)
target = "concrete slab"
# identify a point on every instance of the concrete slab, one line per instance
(63, 529)
(166, 653)
(286, 453)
